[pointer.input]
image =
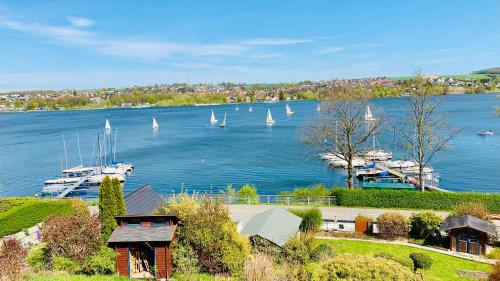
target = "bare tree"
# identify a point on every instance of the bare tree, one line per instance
(424, 131)
(341, 128)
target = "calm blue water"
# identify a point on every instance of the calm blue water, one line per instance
(187, 150)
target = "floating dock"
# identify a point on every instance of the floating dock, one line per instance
(408, 178)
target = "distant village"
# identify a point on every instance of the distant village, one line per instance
(40, 100)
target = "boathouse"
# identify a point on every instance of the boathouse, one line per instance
(143, 245)
(468, 234)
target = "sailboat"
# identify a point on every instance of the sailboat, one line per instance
(237, 108)
(155, 124)
(269, 120)
(250, 109)
(223, 124)
(288, 110)
(213, 121)
(368, 114)
(318, 108)
(107, 126)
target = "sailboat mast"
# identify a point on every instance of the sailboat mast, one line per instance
(114, 149)
(65, 155)
(79, 151)
(99, 150)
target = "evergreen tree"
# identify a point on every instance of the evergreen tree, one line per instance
(107, 207)
(119, 201)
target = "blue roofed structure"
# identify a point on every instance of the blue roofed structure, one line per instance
(143, 201)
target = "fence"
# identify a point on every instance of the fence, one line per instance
(261, 199)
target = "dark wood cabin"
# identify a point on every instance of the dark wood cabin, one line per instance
(143, 245)
(468, 234)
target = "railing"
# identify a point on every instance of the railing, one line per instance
(260, 199)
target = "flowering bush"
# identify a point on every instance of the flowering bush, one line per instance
(392, 226)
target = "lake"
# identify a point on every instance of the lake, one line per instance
(187, 152)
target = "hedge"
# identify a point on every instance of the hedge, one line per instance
(409, 199)
(9, 203)
(31, 213)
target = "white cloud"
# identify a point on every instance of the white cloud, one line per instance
(80, 22)
(338, 49)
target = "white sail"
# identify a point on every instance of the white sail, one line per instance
(368, 114)
(250, 109)
(237, 108)
(269, 119)
(318, 108)
(212, 118)
(107, 126)
(288, 110)
(155, 124)
(223, 124)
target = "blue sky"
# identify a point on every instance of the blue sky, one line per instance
(89, 44)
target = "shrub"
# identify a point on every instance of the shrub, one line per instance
(119, 201)
(495, 272)
(421, 260)
(322, 251)
(259, 267)
(424, 224)
(184, 258)
(248, 194)
(408, 199)
(9, 203)
(74, 237)
(392, 226)
(264, 246)
(472, 208)
(80, 208)
(210, 233)
(38, 257)
(107, 207)
(12, 259)
(295, 251)
(318, 190)
(102, 262)
(312, 219)
(31, 213)
(406, 262)
(361, 267)
(65, 264)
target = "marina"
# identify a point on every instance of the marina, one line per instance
(187, 153)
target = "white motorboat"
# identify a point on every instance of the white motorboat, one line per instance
(223, 124)
(485, 133)
(329, 156)
(377, 155)
(78, 171)
(63, 180)
(269, 119)
(356, 162)
(96, 180)
(213, 120)
(119, 170)
(288, 110)
(415, 170)
(399, 164)
(368, 114)
(155, 124)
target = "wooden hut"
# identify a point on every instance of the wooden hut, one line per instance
(468, 234)
(143, 245)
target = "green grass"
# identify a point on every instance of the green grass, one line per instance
(9, 203)
(66, 277)
(443, 268)
(30, 213)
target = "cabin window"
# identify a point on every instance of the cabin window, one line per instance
(341, 226)
(128, 223)
(159, 223)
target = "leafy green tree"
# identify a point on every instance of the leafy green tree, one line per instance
(120, 209)
(424, 224)
(248, 194)
(107, 207)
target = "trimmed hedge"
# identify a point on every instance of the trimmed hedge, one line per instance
(29, 214)
(409, 199)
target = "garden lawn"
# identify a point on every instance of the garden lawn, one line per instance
(32, 212)
(443, 267)
(64, 277)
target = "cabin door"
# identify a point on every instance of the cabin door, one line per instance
(468, 242)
